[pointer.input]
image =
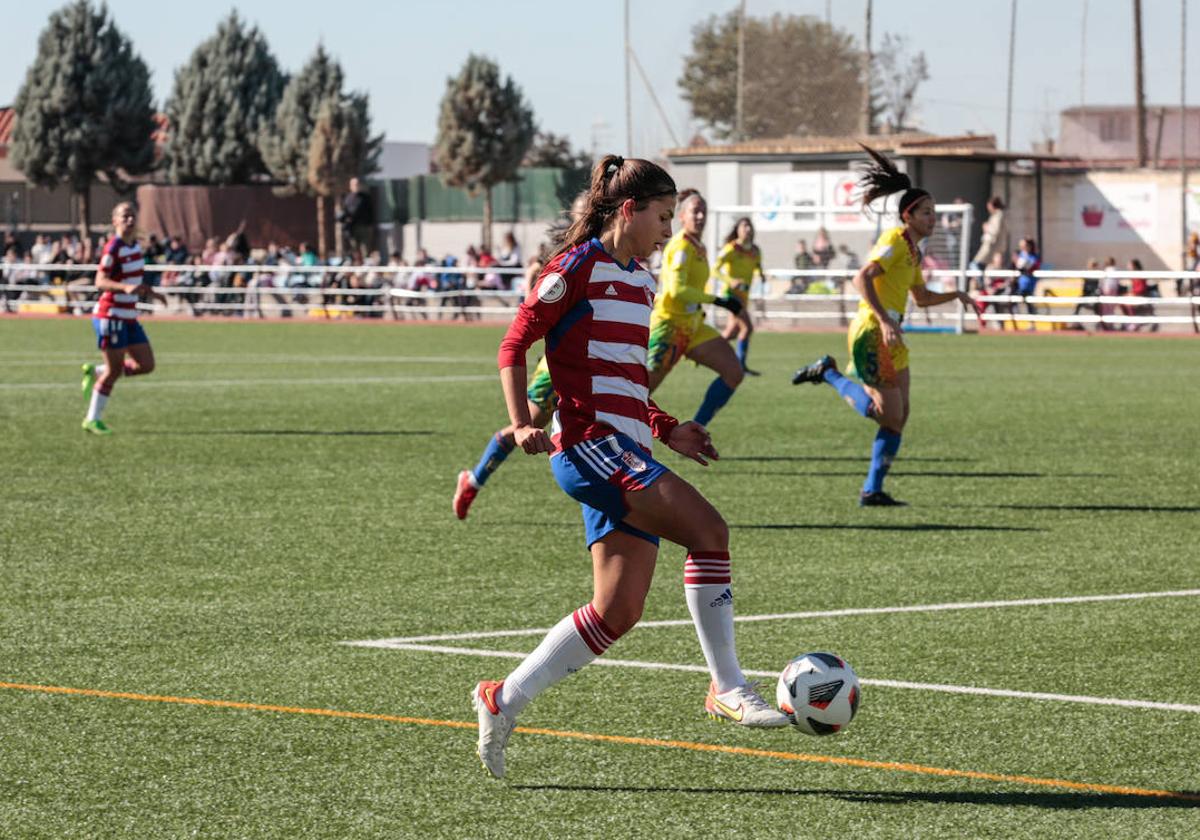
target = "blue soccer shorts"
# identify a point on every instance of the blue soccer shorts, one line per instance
(598, 473)
(113, 334)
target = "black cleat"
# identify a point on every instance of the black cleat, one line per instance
(879, 499)
(750, 372)
(815, 373)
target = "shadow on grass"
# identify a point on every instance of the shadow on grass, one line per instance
(919, 527)
(858, 459)
(1096, 508)
(917, 473)
(1069, 801)
(291, 433)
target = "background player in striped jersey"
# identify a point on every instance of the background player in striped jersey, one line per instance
(592, 304)
(737, 263)
(120, 337)
(880, 358)
(678, 327)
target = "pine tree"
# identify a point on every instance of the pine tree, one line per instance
(484, 131)
(228, 89)
(341, 148)
(285, 142)
(85, 107)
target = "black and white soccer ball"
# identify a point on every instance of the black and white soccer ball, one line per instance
(819, 692)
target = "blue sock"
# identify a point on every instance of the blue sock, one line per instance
(850, 391)
(883, 452)
(493, 457)
(718, 394)
(743, 349)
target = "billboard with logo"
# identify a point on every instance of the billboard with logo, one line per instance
(827, 188)
(1116, 211)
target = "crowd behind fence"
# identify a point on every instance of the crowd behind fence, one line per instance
(787, 297)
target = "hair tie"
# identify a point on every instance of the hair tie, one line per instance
(617, 163)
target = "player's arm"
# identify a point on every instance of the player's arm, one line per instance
(922, 296)
(689, 439)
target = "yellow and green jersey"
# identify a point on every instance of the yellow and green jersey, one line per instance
(736, 266)
(684, 276)
(900, 260)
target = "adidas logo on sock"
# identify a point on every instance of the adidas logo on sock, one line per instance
(724, 599)
(611, 290)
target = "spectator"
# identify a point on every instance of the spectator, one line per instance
(992, 240)
(823, 251)
(1091, 287)
(1109, 287)
(803, 261)
(154, 253)
(357, 216)
(1142, 288)
(997, 285)
(847, 260)
(1191, 262)
(491, 280)
(1027, 262)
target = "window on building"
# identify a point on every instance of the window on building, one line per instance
(1116, 127)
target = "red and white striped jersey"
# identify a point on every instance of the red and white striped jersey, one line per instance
(595, 316)
(120, 261)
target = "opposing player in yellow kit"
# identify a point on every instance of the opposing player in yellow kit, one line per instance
(737, 263)
(677, 326)
(880, 358)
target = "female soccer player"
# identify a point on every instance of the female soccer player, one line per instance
(876, 346)
(592, 303)
(737, 263)
(677, 328)
(120, 337)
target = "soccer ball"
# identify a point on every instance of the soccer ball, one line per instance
(819, 692)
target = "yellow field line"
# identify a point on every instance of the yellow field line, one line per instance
(898, 766)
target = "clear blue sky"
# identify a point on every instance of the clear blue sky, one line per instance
(567, 56)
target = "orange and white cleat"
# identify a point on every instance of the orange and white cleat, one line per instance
(495, 726)
(464, 493)
(742, 705)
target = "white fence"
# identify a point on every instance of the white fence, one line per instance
(787, 298)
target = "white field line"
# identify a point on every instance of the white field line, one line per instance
(234, 383)
(915, 608)
(771, 675)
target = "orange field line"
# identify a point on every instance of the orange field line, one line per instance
(898, 766)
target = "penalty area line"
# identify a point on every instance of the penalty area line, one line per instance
(902, 684)
(656, 743)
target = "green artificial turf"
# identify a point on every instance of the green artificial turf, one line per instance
(274, 490)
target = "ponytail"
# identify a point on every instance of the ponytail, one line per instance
(614, 181)
(881, 178)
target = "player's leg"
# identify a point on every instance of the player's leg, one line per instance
(139, 358)
(893, 401)
(541, 402)
(103, 377)
(668, 341)
(709, 349)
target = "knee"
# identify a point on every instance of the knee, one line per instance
(147, 367)
(620, 617)
(733, 377)
(712, 535)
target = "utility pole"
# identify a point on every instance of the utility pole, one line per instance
(1183, 162)
(1012, 46)
(1139, 85)
(628, 91)
(865, 120)
(740, 126)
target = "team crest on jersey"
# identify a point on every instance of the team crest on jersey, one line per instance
(552, 288)
(633, 461)
(882, 252)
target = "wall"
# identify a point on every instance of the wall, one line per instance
(1134, 213)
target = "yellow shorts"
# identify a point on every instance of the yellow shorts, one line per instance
(875, 363)
(541, 389)
(671, 340)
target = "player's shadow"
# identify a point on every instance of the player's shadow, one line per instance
(1095, 508)
(860, 459)
(291, 433)
(898, 473)
(915, 527)
(1065, 800)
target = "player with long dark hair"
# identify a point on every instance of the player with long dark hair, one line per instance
(119, 335)
(880, 357)
(592, 304)
(737, 262)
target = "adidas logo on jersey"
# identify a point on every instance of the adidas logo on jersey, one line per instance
(611, 290)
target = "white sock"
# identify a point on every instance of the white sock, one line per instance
(97, 405)
(572, 643)
(706, 583)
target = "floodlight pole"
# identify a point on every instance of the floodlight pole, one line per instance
(1183, 161)
(1012, 42)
